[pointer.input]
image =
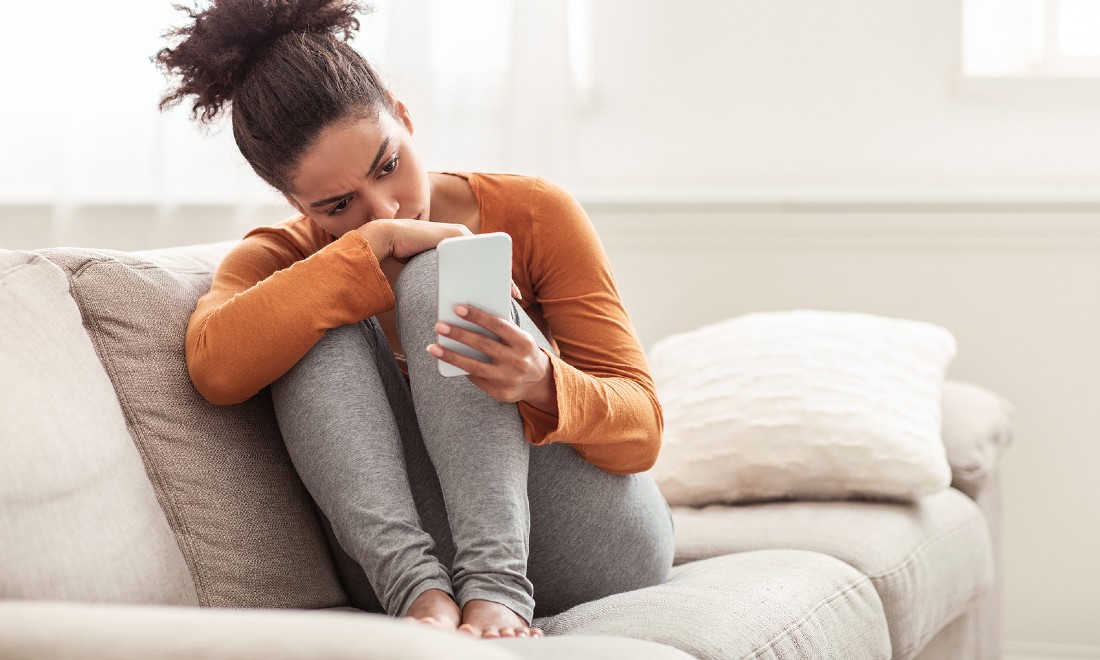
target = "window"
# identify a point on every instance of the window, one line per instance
(1031, 39)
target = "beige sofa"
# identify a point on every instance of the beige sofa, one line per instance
(139, 521)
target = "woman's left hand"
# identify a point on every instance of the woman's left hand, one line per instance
(519, 370)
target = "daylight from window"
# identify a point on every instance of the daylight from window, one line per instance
(1031, 39)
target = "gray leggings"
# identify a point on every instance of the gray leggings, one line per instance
(437, 488)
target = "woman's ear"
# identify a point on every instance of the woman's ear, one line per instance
(402, 112)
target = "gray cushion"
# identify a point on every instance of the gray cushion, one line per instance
(977, 427)
(117, 632)
(589, 647)
(927, 560)
(244, 521)
(772, 604)
(78, 517)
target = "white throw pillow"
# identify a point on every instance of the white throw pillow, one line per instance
(802, 404)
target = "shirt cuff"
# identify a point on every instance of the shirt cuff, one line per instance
(539, 425)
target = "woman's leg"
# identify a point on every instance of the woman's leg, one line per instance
(579, 532)
(335, 413)
(477, 448)
(591, 534)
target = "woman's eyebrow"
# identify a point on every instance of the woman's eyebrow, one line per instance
(374, 164)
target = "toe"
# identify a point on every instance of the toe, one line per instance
(492, 633)
(507, 632)
(468, 629)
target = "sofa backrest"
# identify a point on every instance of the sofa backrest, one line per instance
(78, 518)
(244, 522)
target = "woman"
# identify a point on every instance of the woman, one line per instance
(455, 502)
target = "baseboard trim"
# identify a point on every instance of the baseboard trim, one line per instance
(1017, 650)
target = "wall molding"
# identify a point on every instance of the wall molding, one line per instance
(1017, 650)
(811, 199)
(709, 221)
(849, 223)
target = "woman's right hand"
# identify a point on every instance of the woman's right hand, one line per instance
(401, 238)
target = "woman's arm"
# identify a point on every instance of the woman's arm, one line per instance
(607, 406)
(271, 300)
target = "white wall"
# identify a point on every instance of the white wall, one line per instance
(854, 95)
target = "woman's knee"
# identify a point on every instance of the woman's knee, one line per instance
(417, 282)
(336, 350)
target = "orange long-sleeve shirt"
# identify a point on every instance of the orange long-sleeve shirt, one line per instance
(276, 293)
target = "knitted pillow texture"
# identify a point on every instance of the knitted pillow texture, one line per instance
(802, 404)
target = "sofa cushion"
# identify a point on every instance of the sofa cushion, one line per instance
(928, 560)
(771, 604)
(802, 404)
(589, 647)
(244, 521)
(122, 632)
(78, 517)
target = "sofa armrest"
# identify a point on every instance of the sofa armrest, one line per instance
(52, 629)
(977, 427)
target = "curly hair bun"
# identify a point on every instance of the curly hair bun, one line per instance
(222, 42)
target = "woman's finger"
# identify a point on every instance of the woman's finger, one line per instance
(472, 366)
(508, 332)
(475, 340)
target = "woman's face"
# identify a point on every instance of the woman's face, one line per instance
(358, 171)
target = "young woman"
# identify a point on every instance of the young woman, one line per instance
(474, 503)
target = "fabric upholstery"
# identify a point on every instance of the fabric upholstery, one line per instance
(78, 517)
(243, 520)
(928, 560)
(802, 404)
(590, 647)
(765, 605)
(977, 427)
(117, 632)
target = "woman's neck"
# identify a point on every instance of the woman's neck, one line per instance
(453, 200)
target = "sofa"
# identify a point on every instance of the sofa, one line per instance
(139, 521)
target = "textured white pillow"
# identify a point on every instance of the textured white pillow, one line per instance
(802, 404)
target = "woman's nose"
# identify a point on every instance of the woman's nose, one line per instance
(382, 207)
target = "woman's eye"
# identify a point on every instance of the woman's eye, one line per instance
(339, 207)
(391, 165)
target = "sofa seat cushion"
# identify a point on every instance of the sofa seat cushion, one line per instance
(928, 560)
(244, 521)
(78, 516)
(770, 604)
(589, 647)
(122, 632)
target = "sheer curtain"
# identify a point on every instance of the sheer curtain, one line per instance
(87, 159)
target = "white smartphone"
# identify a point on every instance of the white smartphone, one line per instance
(473, 270)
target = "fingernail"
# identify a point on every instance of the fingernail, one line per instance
(435, 350)
(461, 311)
(443, 328)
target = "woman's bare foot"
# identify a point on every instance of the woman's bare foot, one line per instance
(484, 618)
(435, 607)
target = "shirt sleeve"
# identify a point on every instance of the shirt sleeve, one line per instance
(270, 301)
(608, 409)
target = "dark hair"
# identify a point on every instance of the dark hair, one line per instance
(285, 68)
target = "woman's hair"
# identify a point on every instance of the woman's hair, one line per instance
(283, 66)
